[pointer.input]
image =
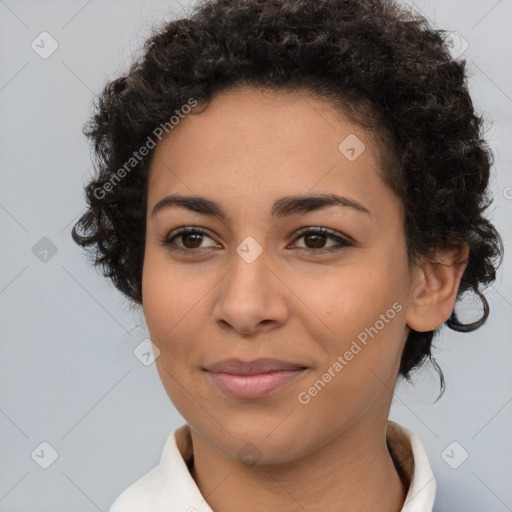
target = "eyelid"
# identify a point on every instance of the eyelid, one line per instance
(182, 231)
(325, 231)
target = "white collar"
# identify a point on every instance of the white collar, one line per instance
(169, 487)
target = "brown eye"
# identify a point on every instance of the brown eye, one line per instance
(315, 239)
(191, 239)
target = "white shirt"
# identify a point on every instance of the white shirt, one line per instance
(169, 487)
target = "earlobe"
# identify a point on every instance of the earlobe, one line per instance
(435, 288)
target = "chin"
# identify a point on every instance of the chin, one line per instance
(258, 443)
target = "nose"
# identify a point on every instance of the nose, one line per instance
(252, 298)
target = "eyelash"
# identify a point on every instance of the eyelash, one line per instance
(342, 243)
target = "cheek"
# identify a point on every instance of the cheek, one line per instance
(366, 317)
(165, 298)
(358, 370)
(176, 308)
(169, 314)
(353, 300)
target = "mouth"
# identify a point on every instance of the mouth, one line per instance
(252, 379)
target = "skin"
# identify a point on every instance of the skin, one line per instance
(246, 150)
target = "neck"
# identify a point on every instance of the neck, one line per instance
(351, 472)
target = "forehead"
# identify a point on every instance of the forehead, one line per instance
(257, 144)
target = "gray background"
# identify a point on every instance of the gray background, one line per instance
(68, 375)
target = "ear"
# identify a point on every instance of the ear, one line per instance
(435, 288)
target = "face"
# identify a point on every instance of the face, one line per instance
(322, 288)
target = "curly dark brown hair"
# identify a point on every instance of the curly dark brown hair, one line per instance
(385, 66)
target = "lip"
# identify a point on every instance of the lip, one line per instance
(256, 366)
(252, 379)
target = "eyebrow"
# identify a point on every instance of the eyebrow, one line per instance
(282, 207)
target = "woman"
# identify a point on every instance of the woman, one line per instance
(294, 193)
